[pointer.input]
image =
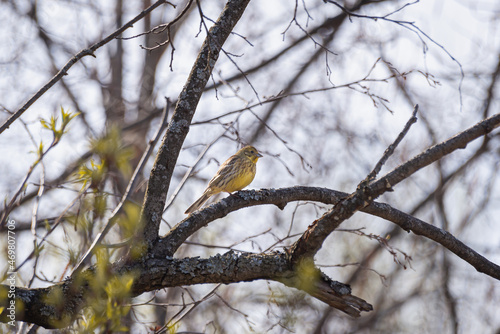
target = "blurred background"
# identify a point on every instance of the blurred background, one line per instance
(320, 93)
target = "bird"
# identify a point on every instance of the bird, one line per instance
(234, 174)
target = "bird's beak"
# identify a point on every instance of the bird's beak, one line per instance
(259, 155)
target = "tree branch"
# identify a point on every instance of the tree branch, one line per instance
(446, 239)
(126, 195)
(312, 240)
(168, 245)
(58, 305)
(85, 52)
(164, 165)
(390, 150)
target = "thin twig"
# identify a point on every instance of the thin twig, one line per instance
(282, 95)
(312, 240)
(189, 171)
(411, 26)
(85, 52)
(56, 224)
(390, 150)
(168, 152)
(41, 155)
(112, 220)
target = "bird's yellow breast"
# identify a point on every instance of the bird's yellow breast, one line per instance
(240, 182)
(235, 174)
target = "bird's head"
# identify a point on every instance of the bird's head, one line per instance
(250, 152)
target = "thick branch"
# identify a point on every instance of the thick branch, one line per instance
(58, 305)
(436, 152)
(445, 238)
(164, 165)
(312, 240)
(231, 267)
(168, 245)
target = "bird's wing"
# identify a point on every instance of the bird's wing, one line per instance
(224, 173)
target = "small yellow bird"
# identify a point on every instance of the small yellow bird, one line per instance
(234, 174)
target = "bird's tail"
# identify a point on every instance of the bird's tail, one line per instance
(199, 202)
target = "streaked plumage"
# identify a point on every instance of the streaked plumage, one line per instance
(234, 174)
